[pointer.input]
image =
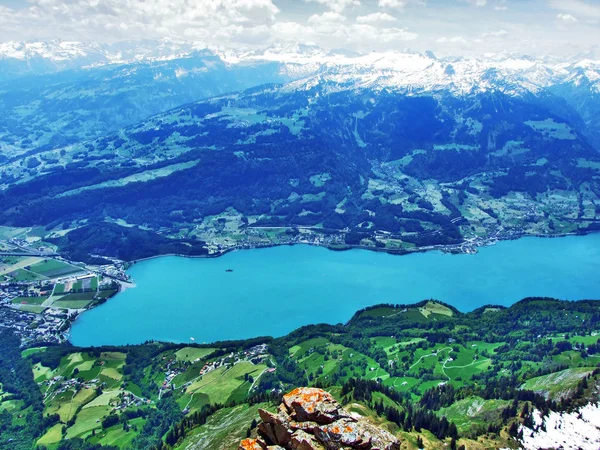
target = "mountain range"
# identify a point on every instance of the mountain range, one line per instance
(199, 143)
(181, 72)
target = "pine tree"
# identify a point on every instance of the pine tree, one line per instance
(420, 442)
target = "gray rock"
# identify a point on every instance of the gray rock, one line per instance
(311, 419)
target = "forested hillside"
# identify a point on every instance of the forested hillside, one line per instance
(426, 372)
(428, 169)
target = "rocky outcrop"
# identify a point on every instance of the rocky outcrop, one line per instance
(311, 419)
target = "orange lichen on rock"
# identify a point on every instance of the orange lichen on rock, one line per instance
(309, 396)
(311, 404)
(250, 444)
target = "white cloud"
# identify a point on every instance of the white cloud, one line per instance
(495, 34)
(335, 30)
(567, 18)
(399, 4)
(577, 7)
(81, 19)
(451, 40)
(392, 3)
(329, 16)
(368, 34)
(475, 2)
(292, 32)
(376, 17)
(501, 5)
(329, 22)
(443, 27)
(336, 5)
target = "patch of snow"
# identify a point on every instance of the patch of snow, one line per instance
(568, 431)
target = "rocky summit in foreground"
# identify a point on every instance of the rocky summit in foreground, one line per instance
(311, 419)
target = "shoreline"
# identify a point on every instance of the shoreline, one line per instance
(124, 285)
(445, 248)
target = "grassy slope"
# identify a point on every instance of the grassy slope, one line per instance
(191, 353)
(223, 430)
(84, 405)
(558, 384)
(219, 384)
(473, 411)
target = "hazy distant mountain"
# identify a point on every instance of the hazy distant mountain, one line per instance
(19, 59)
(55, 110)
(82, 91)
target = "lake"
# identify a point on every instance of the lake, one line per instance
(275, 290)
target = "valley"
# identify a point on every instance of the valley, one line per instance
(184, 232)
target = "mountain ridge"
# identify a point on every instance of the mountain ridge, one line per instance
(76, 71)
(311, 59)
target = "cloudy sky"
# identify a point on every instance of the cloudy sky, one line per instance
(447, 27)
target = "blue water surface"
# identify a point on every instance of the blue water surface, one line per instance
(273, 291)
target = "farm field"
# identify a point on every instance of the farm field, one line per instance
(84, 288)
(87, 420)
(219, 384)
(21, 268)
(77, 300)
(79, 296)
(29, 300)
(106, 293)
(192, 353)
(82, 404)
(12, 263)
(71, 304)
(592, 338)
(32, 308)
(32, 351)
(117, 436)
(52, 268)
(52, 436)
(25, 275)
(67, 403)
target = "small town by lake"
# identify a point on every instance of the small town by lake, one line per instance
(272, 291)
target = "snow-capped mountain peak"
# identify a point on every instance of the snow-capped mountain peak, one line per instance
(406, 71)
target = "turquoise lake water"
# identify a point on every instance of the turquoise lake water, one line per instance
(276, 290)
